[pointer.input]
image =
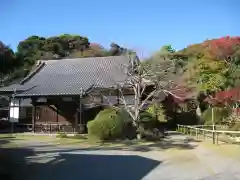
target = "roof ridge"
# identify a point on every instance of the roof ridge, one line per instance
(67, 59)
(33, 73)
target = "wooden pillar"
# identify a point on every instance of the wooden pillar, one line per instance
(9, 107)
(34, 115)
(118, 94)
(80, 121)
(20, 109)
(57, 114)
(80, 111)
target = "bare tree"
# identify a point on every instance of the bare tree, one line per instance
(139, 77)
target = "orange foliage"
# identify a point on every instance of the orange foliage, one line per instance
(227, 96)
(214, 49)
(222, 48)
(232, 94)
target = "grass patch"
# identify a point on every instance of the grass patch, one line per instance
(80, 141)
(84, 141)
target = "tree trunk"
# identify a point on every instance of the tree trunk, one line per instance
(139, 136)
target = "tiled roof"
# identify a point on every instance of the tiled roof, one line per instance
(183, 92)
(69, 76)
(179, 93)
(14, 87)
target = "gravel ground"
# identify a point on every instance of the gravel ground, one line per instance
(183, 160)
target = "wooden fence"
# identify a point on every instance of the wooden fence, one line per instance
(45, 128)
(211, 131)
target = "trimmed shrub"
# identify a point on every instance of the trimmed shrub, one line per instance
(219, 115)
(108, 124)
(125, 116)
(149, 127)
(157, 111)
(147, 120)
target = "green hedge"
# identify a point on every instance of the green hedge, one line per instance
(149, 126)
(108, 124)
(157, 112)
(112, 124)
(147, 120)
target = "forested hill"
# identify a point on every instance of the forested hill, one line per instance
(214, 64)
(209, 66)
(15, 65)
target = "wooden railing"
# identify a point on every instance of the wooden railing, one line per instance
(212, 131)
(46, 128)
(54, 128)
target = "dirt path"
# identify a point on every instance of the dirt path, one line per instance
(177, 158)
(201, 162)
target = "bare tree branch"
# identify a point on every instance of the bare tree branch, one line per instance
(138, 78)
(125, 105)
(169, 92)
(147, 98)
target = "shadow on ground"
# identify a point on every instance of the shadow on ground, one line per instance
(45, 161)
(173, 141)
(25, 165)
(127, 145)
(92, 167)
(6, 140)
(164, 144)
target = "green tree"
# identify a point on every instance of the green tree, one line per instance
(207, 74)
(164, 51)
(233, 76)
(30, 49)
(64, 46)
(7, 59)
(116, 50)
(162, 66)
(34, 47)
(169, 48)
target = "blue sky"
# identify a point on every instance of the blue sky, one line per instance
(144, 25)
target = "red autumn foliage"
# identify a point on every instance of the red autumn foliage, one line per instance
(232, 94)
(227, 96)
(224, 47)
(220, 49)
